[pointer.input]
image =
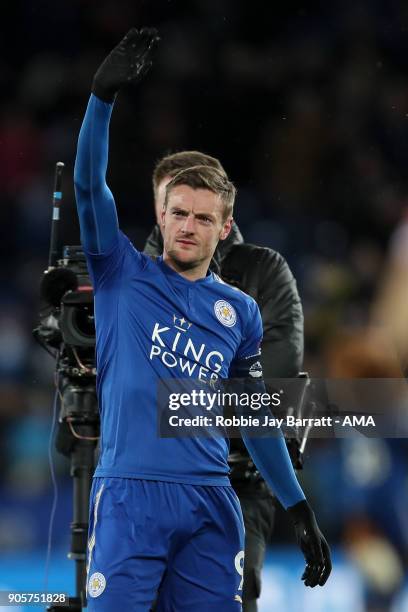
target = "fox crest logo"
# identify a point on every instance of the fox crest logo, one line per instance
(96, 584)
(225, 313)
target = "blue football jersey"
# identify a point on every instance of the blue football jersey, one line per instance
(152, 324)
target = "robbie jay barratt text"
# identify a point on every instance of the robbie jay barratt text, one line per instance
(269, 421)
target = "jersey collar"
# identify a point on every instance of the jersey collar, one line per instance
(209, 278)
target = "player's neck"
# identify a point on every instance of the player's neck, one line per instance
(191, 274)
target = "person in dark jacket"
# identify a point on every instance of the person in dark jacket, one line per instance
(264, 275)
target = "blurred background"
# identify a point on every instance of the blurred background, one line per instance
(307, 107)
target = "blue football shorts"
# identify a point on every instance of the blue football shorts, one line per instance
(179, 545)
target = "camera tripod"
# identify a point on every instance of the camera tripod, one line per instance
(77, 438)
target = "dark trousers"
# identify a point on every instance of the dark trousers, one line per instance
(258, 511)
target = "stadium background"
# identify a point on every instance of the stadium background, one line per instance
(307, 107)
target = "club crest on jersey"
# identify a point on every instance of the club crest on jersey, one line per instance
(96, 584)
(225, 313)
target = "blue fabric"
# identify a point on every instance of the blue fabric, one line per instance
(188, 540)
(269, 454)
(95, 202)
(272, 459)
(138, 308)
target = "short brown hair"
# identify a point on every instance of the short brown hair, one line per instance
(206, 177)
(171, 164)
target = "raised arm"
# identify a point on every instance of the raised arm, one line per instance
(126, 63)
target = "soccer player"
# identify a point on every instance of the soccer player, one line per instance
(164, 518)
(265, 275)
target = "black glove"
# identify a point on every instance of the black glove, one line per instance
(312, 543)
(127, 63)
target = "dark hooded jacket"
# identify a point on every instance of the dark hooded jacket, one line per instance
(264, 275)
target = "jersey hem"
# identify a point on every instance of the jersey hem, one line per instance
(222, 481)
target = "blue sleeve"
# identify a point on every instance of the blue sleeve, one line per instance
(95, 203)
(269, 454)
(111, 269)
(271, 457)
(253, 332)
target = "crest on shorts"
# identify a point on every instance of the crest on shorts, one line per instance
(225, 313)
(96, 584)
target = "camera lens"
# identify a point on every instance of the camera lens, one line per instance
(83, 320)
(77, 325)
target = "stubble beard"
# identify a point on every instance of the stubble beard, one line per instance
(183, 265)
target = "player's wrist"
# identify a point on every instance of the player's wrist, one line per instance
(103, 93)
(301, 512)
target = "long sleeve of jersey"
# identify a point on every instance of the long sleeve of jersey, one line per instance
(271, 457)
(269, 454)
(95, 203)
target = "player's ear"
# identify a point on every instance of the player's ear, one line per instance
(226, 228)
(162, 215)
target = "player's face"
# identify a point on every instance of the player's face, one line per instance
(192, 225)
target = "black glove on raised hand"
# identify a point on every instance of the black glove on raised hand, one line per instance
(312, 543)
(127, 63)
